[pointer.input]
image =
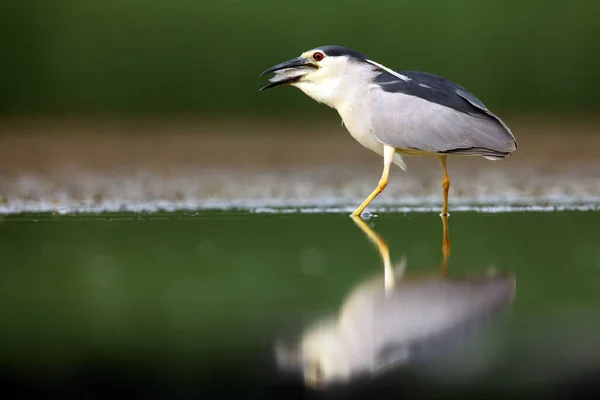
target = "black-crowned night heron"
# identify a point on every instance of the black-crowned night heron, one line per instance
(395, 320)
(397, 113)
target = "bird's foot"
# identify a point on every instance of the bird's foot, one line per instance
(365, 215)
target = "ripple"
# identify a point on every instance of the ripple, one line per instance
(331, 190)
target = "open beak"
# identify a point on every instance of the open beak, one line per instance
(289, 72)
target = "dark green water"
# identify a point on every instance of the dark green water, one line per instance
(179, 298)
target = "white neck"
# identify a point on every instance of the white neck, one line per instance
(345, 86)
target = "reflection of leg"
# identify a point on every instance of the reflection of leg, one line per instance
(388, 156)
(445, 244)
(388, 273)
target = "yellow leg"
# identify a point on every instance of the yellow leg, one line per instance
(388, 155)
(444, 215)
(445, 185)
(389, 278)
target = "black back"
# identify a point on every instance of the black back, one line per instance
(433, 88)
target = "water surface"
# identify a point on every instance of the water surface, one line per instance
(189, 301)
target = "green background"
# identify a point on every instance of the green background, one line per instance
(204, 57)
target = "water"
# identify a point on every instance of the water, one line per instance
(489, 188)
(159, 258)
(158, 304)
(296, 164)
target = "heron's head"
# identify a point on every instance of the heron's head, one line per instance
(320, 355)
(327, 73)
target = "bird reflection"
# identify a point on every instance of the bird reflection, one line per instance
(390, 321)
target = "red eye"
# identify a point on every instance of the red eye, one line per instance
(318, 56)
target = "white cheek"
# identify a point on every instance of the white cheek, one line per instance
(312, 90)
(333, 84)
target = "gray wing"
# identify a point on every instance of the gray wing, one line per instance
(432, 114)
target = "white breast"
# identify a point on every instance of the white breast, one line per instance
(355, 113)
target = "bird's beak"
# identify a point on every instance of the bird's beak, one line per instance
(289, 71)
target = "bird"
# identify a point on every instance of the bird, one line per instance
(396, 320)
(397, 113)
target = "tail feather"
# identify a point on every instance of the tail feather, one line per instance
(478, 151)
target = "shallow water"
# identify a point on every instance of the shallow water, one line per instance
(267, 165)
(174, 302)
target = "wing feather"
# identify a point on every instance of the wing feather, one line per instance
(407, 118)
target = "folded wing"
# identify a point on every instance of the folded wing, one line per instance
(433, 114)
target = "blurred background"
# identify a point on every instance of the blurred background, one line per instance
(204, 57)
(109, 107)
